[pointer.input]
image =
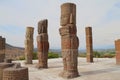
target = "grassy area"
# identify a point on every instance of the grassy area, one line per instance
(50, 55)
(101, 54)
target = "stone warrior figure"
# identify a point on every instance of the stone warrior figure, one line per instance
(69, 40)
(42, 44)
(29, 45)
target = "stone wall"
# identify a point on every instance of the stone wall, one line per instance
(2, 49)
(15, 74)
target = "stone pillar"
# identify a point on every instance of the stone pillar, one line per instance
(89, 44)
(2, 49)
(69, 40)
(117, 49)
(42, 44)
(15, 73)
(29, 45)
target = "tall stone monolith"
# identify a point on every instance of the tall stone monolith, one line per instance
(2, 49)
(69, 40)
(117, 49)
(42, 44)
(89, 44)
(29, 45)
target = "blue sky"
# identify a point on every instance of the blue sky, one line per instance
(102, 15)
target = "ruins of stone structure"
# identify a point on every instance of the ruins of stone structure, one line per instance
(29, 45)
(4, 65)
(69, 40)
(15, 73)
(2, 49)
(117, 49)
(42, 44)
(89, 44)
(12, 71)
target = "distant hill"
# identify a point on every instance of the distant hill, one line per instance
(8, 46)
(16, 52)
(13, 52)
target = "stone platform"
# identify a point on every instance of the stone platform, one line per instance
(101, 69)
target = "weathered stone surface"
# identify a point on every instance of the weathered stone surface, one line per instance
(69, 40)
(42, 26)
(117, 49)
(29, 45)
(3, 66)
(89, 44)
(42, 44)
(8, 60)
(2, 49)
(19, 73)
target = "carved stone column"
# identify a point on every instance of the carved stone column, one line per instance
(29, 45)
(69, 40)
(117, 49)
(2, 49)
(89, 44)
(42, 44)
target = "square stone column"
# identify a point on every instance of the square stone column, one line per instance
(117, 50)
(89, 44)
(29, 45)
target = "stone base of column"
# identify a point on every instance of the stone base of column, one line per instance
(39, 66)
(68, 75)
(118, 58)
(89, 58)
(118, 63)
(28, 63)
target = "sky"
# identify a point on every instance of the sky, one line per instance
(102, 15)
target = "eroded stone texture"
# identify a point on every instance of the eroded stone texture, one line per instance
(2, 49)
(3, 66)
(42, 44)
(29, 45)
(117, 49)
(15, 73)
(69, 40)
(89, 44)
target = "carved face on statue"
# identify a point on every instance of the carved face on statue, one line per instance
(65, 19)
(42, 26)
(68, 14)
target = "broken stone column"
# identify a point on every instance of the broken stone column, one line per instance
(42, 44)
(117, 49)
(69, 40)
(2, 49)
(4, 65)
(89, 44)
(29, 45)
(15, 73)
